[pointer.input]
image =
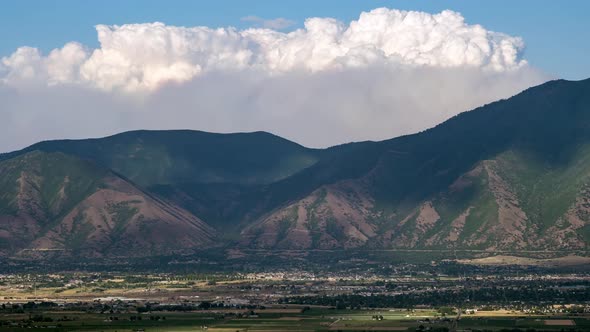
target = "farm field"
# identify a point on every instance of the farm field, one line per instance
(298, 301)
(291, 319)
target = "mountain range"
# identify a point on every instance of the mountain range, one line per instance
(513, 175)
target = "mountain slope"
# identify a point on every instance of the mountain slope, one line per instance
(510, 175)
(56, 201)
(185, 156)
(220, 177)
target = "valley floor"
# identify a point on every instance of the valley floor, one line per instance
(407, 298)
(293, 319)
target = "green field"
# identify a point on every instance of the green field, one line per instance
(291, 319)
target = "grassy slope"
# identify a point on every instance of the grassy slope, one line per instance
(183, 156)
(54, 200)
(219, 177)
(42, 188)
(60, 180)
(538, 138)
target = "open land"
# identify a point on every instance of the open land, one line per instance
(406, 297)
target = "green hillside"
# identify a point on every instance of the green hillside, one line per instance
(179, 156)
(525, 161)
(58, 182)
(509, 176)
(50, 200)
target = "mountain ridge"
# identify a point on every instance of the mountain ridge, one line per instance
(88, 210)
(507, 176)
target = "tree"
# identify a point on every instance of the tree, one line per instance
(205, 305)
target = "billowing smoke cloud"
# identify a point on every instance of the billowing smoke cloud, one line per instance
(388, 73)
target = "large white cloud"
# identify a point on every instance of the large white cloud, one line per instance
(388, 73)
(143, 56)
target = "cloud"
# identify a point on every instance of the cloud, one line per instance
(279, 23)
(388, 73)
(142, 57)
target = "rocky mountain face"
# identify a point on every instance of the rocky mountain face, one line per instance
(52, 201)
(513, 175)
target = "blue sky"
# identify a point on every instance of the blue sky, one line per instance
(556, 33)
